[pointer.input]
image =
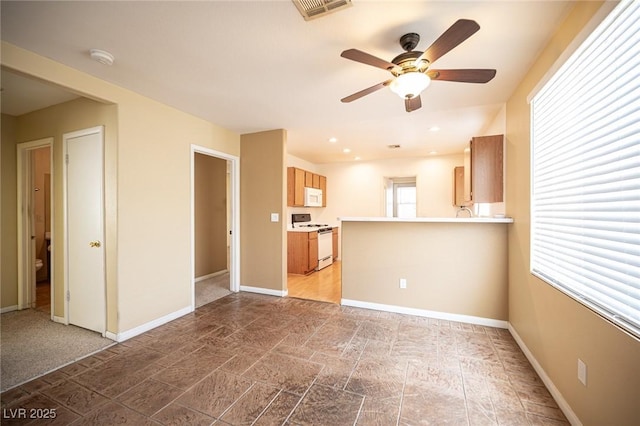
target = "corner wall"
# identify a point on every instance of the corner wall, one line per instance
(54, 122)
(556, 329)
(152, 267)
(263, 180)
(8, 215)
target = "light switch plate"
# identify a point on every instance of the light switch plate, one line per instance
(582, 372)
(275, 217)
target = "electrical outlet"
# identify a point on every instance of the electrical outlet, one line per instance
(275, 217)
(403, 283)
(582, 372)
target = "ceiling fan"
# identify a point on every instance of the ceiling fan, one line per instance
(410, 70)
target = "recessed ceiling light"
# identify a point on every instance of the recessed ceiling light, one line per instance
(346, 150)
(102, 56)
(333, 140)
(433, 152)
(357, 158)
(434, 129)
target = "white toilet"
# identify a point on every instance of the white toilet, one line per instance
(38, 264)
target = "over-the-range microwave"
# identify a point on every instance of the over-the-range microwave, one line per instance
(312, 197)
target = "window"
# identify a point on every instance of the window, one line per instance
(400, 195)
(585, 224)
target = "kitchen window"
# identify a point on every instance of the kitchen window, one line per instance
(400, 195)
(585, 201)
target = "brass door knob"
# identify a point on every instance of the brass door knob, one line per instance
(94, 244)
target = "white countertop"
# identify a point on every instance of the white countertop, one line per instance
(290, 229)
(303, 229)
(429, 219)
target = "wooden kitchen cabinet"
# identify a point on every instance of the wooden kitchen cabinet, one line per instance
(295, 187)
(483, 176)
(297, 180)
(302, 252)
(335, 243)
(487, 169)
(323, 187)
(308, 179)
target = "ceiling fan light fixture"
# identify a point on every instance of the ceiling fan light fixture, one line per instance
(410, 84)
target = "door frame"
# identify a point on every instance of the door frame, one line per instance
(234, 219)
(26, 246)
(65, 216)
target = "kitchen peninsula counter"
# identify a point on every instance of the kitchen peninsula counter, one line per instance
(454, 268)
(429, 219)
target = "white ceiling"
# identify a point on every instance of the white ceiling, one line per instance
(257, 65)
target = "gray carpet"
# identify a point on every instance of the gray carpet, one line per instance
(212, 289)
(33, 345)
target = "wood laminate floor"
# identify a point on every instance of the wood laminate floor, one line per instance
(324, 285)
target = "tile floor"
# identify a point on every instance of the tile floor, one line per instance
(252, 359)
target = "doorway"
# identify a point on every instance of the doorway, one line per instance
(214, 206)
(35, 207)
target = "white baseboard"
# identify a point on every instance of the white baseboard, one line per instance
(214, 274)
(8, 309)
(562, 403)
(267, 291)
(489, 322)
(126, 335)
(110, 335)
(61, 320)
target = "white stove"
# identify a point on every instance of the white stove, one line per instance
(325, 237)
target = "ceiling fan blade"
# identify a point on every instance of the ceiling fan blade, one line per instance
(463, 76)
(461, 30)
(365, 58)
(366, 91)
(412, 104)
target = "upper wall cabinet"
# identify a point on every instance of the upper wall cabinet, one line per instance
(295, 186)
(297, 180)
(481, 179)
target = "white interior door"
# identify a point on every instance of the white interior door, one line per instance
(86, 306)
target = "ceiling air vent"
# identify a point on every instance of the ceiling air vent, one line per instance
(311, 9)
(393, 146)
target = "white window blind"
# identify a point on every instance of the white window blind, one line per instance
(585, 224)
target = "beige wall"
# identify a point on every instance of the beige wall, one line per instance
(357, 188)
(263, 178)
(54, 122)
(555, 328)
(453, 268)
(8, 214)
(150, 185)
(210, 180)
